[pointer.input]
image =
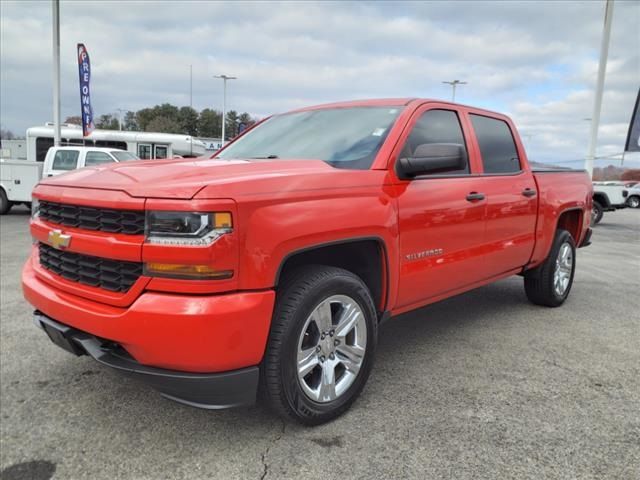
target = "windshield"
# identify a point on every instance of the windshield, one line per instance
(343, 137)
(123, 156)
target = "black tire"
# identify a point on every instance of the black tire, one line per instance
(633, 201)
(5, 204)
(596, 213)
(300, 292)
(539, 282)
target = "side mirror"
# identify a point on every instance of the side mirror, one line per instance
(433, 158)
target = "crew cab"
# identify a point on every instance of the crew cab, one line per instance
(270, 266)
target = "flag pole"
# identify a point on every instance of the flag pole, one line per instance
(56, 72)
(597, 104)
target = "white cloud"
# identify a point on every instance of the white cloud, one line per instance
(533, 60)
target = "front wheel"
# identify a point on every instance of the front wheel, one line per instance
(634, 201)
(321, 346)
(550, 283)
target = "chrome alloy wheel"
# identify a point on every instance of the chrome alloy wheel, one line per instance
(331, 348)
(563, 270)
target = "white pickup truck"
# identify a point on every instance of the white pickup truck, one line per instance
(607, 197)
(19, 177)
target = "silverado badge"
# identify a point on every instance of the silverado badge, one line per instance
(58, 240)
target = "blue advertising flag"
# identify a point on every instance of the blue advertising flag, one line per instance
(633, 137)
(84, 70)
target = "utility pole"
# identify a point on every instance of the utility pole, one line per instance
(454, 84)
(55, 4)
(120, 110)
(597, 103)
(224, 101)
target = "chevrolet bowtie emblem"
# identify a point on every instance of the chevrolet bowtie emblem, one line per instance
(58, 240)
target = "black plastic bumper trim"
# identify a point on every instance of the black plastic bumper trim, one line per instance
(203, 390)
(586, 241)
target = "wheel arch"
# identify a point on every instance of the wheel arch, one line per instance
(602, 198)
(366, 257)
(571, 220)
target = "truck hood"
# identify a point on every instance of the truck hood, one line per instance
(206, 178)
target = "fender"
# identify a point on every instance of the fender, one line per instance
(545, 240)
(599, 196)
(381, 294)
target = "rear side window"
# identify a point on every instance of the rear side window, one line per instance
(497, 147)
(436, 126)
(96, 158)
(65, 160)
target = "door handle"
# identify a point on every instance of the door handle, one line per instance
(529, 192)
(475, 197)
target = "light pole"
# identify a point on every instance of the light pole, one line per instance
(597, 103)
(224, 100)
(120, 110)
(55, 4)
(453, 84)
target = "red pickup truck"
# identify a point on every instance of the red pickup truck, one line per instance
(269, 267)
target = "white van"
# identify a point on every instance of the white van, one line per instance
(63, 159)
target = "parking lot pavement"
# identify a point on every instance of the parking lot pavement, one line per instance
(484, 385)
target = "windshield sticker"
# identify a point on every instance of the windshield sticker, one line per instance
(378, 132)
(393, 110)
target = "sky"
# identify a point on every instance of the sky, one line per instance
(533, 60)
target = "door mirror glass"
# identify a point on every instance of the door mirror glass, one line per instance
(433, 158)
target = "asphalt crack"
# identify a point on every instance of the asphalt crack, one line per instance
(265, 454)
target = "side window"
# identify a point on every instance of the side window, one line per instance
(43, 144)
(436, 126)
(497, 147)
(65, 160)
(111, 144)
(96, 158)
(144, 151)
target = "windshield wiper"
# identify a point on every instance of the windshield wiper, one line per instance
(268, 157)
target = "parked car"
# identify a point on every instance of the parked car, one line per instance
(633, 196)
(270, 266)
(607, 197)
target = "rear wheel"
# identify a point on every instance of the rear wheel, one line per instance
(321, 345)
(634, 201)
(550, 283)
(596, 213)
(5, 204)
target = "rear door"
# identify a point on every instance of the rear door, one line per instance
(511, 194)
(441, 217)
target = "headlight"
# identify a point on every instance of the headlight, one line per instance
(186, 228)
(35, 207)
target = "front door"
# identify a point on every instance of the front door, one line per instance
(441, 217)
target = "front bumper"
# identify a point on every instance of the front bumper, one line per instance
(218, 390)
(188, 333)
